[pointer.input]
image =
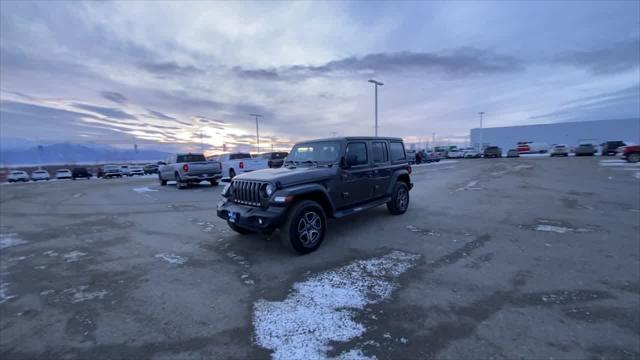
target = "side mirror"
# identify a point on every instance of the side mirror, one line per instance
(344, 163)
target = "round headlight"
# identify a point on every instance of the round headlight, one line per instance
(269, 189)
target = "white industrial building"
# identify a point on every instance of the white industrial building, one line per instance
(570, 133)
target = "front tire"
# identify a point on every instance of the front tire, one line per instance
(232, 173)
(213, 183)
(399, 202)
(238, 229)
(633, 158)
(304, 230)
(163, 182)
(179, 184)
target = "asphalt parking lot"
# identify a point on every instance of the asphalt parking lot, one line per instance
(508, 258)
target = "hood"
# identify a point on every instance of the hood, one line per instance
(290, 176)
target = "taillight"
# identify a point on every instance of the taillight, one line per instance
(185, 167)
(409, 169)
(241, 166)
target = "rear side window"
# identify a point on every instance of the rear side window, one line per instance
(357, 153)
(191, 158)
(239, 156)
(397, 151)
(379, 152)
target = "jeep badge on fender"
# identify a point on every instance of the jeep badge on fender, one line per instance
(320, 179)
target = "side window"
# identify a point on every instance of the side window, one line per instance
(379, 152)
(357, 153)
(397, 151)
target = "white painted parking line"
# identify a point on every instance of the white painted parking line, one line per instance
(321, 309)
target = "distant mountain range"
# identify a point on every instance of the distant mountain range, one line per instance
(73, 153)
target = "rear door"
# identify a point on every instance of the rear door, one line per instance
(380, 167)
(356, 181)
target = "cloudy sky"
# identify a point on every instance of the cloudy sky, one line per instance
(177, 73)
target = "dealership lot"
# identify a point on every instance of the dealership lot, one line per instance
(529, 257)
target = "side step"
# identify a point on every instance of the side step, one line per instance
(360, 208)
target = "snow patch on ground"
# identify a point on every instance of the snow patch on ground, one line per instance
(558, 229)
(73, 256)
(321, 309)
(441, 162)
(144, 189)
(80, 294)
(75, 196)
(9, 240)
(172, 258)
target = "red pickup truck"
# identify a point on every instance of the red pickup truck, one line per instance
(630, 153)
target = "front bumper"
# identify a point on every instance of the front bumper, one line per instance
(252, 218)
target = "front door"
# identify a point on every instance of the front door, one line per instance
(356, 186)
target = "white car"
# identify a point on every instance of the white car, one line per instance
(238, 163)
(18, 175)
(124, 170)
(135, 170)
(559, 150)
(471, 153)
(40, 175)
(455, 154)
(64, 174)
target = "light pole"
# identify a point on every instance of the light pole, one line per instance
(257, 132)
(481, 113)
(376, 84)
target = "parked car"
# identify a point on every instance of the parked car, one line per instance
(631, 153)
(189, 168)
(432, 156)
(559, 150)
(275, 159)
(471, 153)
(321, 179)
(80, 172)
(611, 147)
(124, 169)
(111, 171)
(150, 169)
(585, 150)
(531, 147)
(40, 175)
(513, 153)
(411, 156)
(18, 175)
(442, 151)
(135, 170)
(238, 163)
(455, 154)
(492, 152)
(64, 174)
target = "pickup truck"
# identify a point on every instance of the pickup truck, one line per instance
(187, 169)
(238, 163)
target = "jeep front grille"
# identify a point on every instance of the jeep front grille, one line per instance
(246, 192)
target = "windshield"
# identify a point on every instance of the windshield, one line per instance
(321, 151)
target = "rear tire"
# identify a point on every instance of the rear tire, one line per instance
(399, 202)
(633, 157)
(238, 229)
(179, 184)
(162, 181)
(305, 227)
(213, 183)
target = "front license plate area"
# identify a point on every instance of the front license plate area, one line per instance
(232, 216)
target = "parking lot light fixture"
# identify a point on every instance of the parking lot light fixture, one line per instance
(376, 84)
(257, 131)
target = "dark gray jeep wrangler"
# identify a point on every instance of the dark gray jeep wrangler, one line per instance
(329, 178)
